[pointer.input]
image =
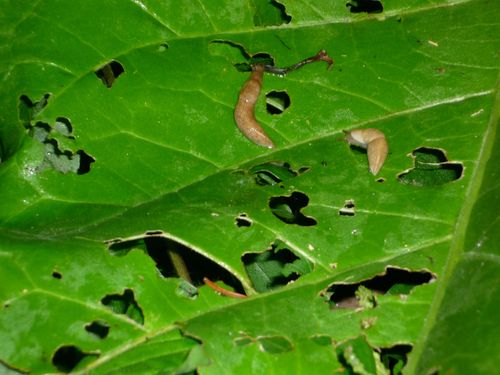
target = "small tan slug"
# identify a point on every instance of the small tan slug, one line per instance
(375, 143)
(244, 110)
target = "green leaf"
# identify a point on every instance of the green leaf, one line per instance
(462, 333)
(119, 152)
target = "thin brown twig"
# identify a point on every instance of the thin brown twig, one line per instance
(224, 292)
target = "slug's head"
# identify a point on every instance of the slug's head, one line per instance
(355, 137)
(263, 59)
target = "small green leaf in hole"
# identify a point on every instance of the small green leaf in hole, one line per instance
(124, 304)
(274, 344)
(366, 298)
(275, 172)
(277, 102)
(274, 268)
(322, 339)
(186, 289)
(358, 357)
(395, 358)
(243, 340)
(288, 209)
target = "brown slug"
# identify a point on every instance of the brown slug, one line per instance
(244, 110)
(374, 141)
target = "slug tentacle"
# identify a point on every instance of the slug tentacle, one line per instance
(322, 55)
(374, 141)
(244, 110)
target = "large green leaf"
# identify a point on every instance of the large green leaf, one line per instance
(105, 184)
(461, 334)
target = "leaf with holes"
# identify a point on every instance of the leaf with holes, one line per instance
(141, 232)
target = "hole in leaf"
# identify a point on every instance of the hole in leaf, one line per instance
(40, 131)
(262, 58)
(322, 339)
(223, 47)
(85, 161)
(57, 275)
(275, 172)
(175, 260)
(121, 248)
(154, 233)
(29, 110)
(98, 328)
(124, 304)
(394, 281)
(380, 179)
(163, 47)
(274, 268)
(367, 6)
(395, 358)
(243, 221)
(348, 209)
(258, 58)
(274, 344)
(67, 357)
(243, 340)
(63, 126)
(358, 357)
(231, 51)
(109, 73)
(277, 102)
(431, 168)
(63, 161)
(287, 209)
(270, 13)
(428, 155)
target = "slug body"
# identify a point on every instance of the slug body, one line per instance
(374, 141)
(244, 110)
